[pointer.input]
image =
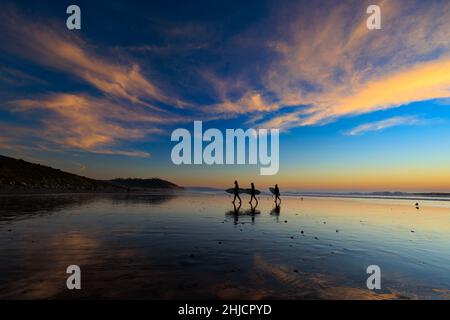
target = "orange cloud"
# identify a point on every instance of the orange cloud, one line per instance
(92, 124)
(332, 66)
(422, 82)
(251, 102)
(127, 112)
(70, 54)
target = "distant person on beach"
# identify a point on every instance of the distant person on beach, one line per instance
(253, 195)
(236, 192)
(277, 193)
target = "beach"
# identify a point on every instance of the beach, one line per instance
(196, 246)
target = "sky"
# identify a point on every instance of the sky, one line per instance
(358, 109)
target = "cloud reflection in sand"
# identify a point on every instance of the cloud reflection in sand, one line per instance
(167, 247)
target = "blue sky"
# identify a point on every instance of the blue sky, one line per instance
(358, 109)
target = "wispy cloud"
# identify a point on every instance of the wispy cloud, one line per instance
(127, 108)
(325, 66)
(91, 124)
(17, 78)
(320, 65)
(6, 143)
(70, 54)
(425, 81)
(383, 124)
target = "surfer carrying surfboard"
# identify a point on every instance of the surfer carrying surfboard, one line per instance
(276, 192)
(253, 194)
(236, 192)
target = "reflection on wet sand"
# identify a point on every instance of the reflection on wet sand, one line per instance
(137, 199)
(237, 212)
(44, 270)
(168, 247)
(301, 285)
(276, 212)
(26, 206)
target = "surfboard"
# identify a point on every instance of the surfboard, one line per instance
(231, 190)
(272, 190)
(249, 191)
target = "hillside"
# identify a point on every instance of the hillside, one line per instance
(19, 176)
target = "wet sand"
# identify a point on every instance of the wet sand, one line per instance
(196, 246)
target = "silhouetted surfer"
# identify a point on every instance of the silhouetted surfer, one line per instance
(236, 193)
(277, 193)
(253, 195)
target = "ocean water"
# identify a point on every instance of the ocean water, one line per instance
(198, 246)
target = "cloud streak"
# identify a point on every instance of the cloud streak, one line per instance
(70, 54)
(83, 122)
(326, 66)
(383, 124)
(128, 108)
(319, 65)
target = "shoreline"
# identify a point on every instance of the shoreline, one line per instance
(5, 193)
(345, 196)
